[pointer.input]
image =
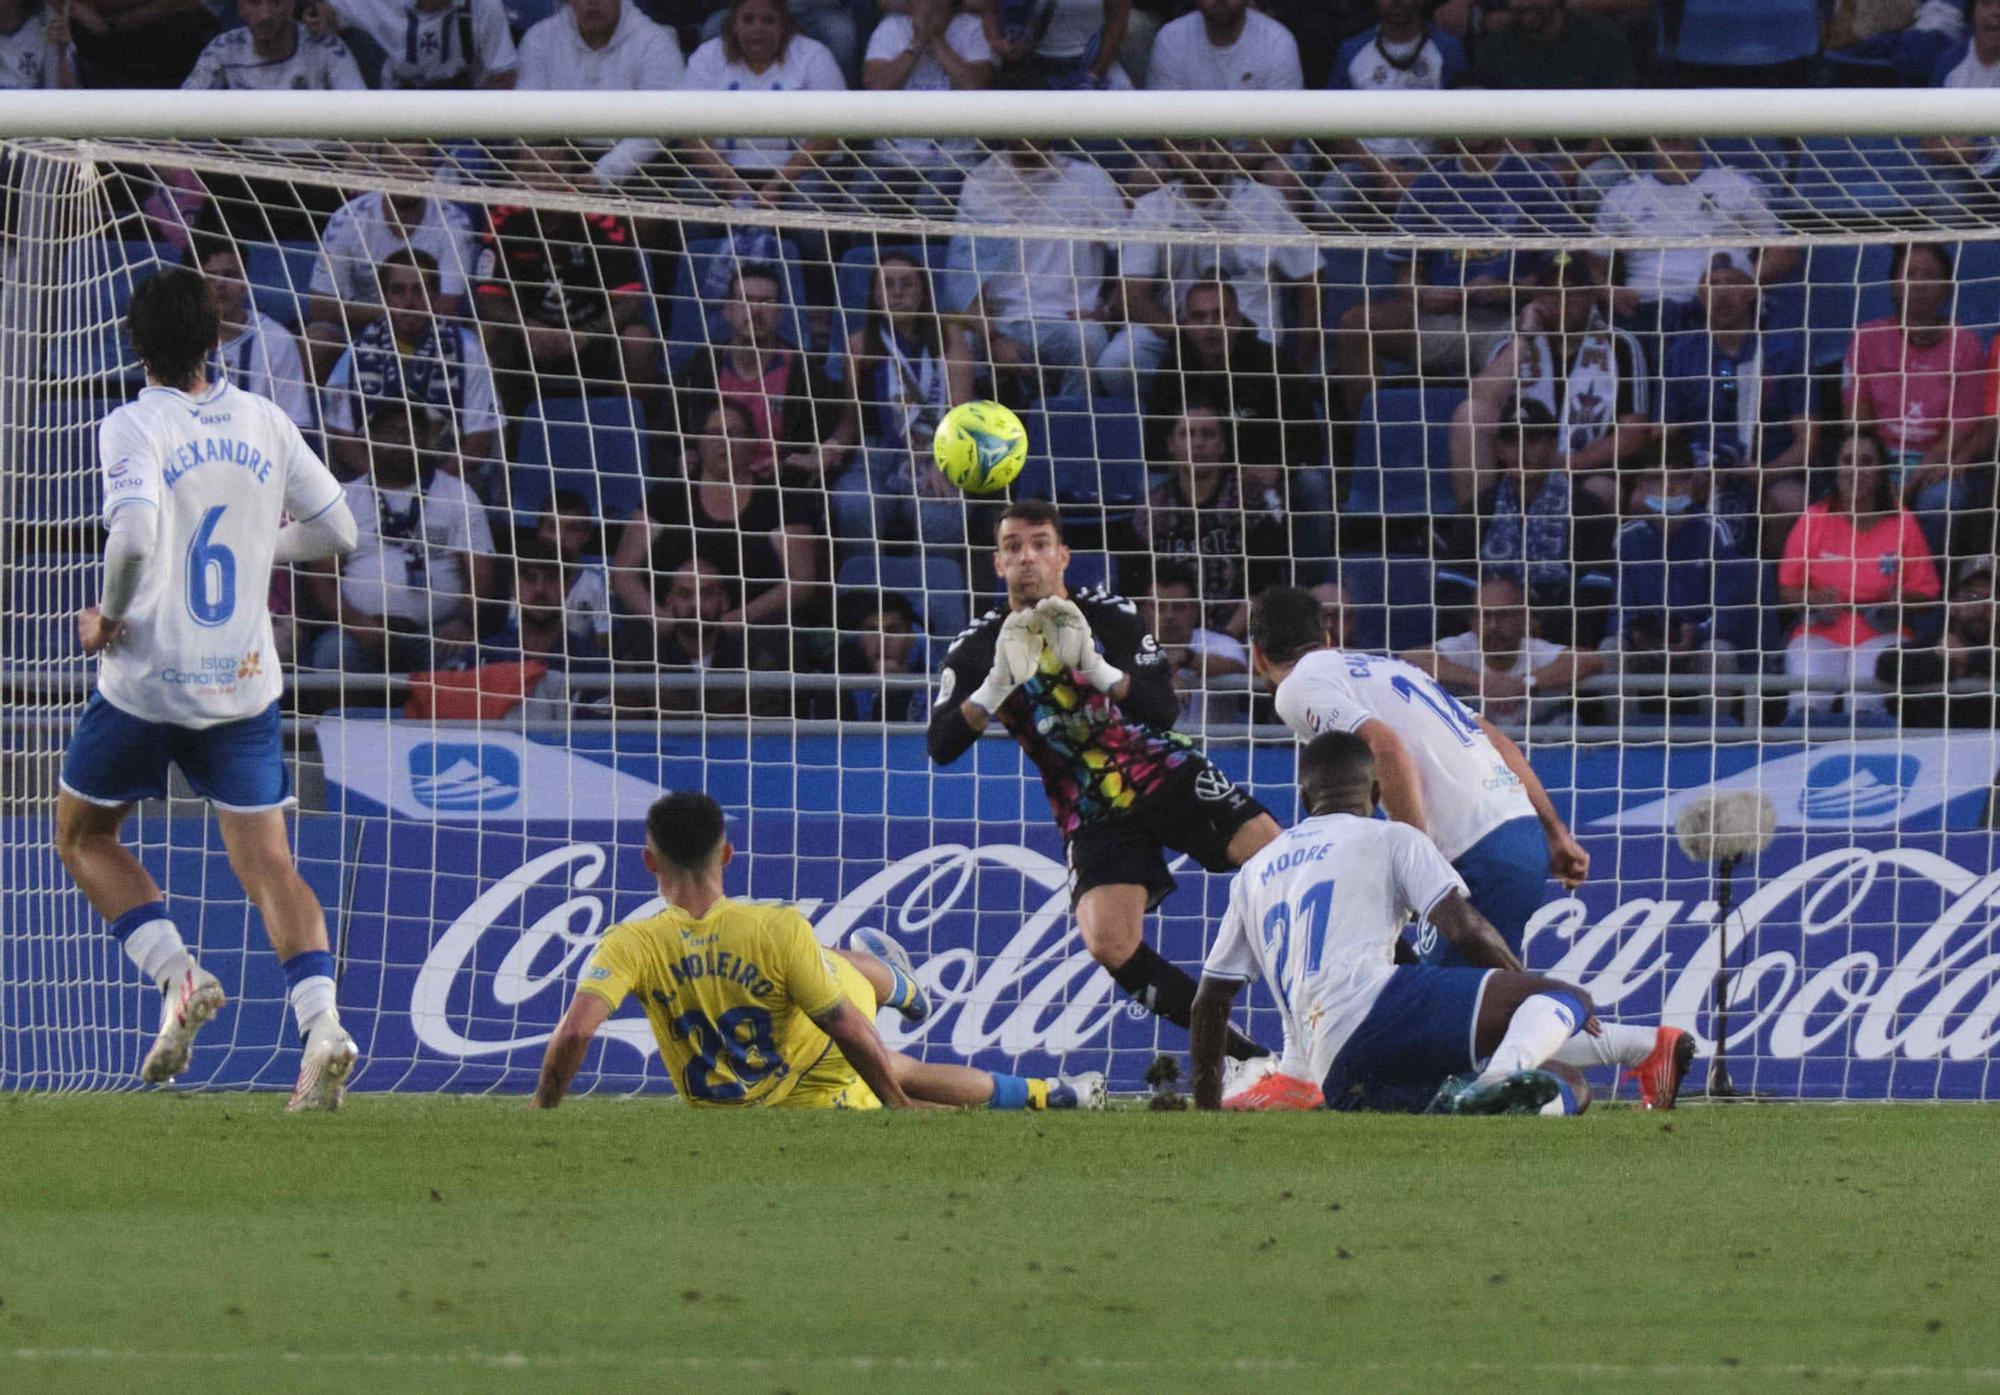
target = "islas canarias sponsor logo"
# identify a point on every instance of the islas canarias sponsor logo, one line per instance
(1007, 974)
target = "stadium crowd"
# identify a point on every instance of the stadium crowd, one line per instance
(584, 445)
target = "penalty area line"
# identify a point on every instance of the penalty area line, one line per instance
(1972, 1376)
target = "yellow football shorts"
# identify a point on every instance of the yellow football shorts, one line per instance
(832, 1083)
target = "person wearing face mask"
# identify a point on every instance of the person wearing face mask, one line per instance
(1856, 562)
(1686, 594)
(1921, 678)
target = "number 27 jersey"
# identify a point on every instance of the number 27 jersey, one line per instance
(1468, 790)
(217, 474)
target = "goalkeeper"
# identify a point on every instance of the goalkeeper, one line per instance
(1089, 695)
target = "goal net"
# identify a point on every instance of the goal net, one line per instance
(1674, 458)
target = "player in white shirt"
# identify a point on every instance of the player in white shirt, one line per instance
(198, 478)
(1446, 771)
(1317, 916)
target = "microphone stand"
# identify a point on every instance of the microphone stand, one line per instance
(1719, 1084)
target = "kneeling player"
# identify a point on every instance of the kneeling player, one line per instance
(748, 1009)
(1317, 915)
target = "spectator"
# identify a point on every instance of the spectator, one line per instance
(1546, 45)
(574, 536)
(1716, 43)
(272, 51)
(832, 22)
(1686, 597)
(1172, 614)
(1916, 380)
(761, 50)
(906, 367)
(766, 542)
(1513, 675)
(1534, 525)
(1225, 46)
(136, 43)
(1452, 308)
(1679, 199)
(406, 595)
(346, 290)
(1401, 53)
(804, 425)
(882, 639)
(563, 295)
(255, 352)
(696, 628)
(1199, 517)
(1741, 396)
(1212, 205)
(35, 47)
(1060, 44)
(410, 354)
(1041, 302)
(1974, 62)
(432, 44)
(1856, 562)
(603, 46)
(543, 630)
(1923, 679)
(1593, 379)
(931, 49)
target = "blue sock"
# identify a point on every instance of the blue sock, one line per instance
(1565, 1100)
(309, 980)
(1571, 1004)
(122, 928)
(313, 963)
(1009, 1092)
(902, 992)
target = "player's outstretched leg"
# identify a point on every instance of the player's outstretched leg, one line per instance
(1111, 919)
(261, 856)
(903, 992)
(963, 1087)
(125, 894)
(1527, 1022)
(1657, 1057)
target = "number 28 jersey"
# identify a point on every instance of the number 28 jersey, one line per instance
(1468, 790)
(730, 996)
(217, 474)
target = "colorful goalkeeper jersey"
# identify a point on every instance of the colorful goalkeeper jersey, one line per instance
(730, 996)
(1097, 757)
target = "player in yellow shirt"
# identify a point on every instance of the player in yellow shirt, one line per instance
(749, 1009)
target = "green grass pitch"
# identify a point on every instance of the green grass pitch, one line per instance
(209, 1243)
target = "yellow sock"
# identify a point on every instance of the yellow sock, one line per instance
(1038, 1093)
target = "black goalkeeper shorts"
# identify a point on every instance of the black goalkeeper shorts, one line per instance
(1198, 814)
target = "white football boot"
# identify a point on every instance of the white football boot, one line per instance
(185, 1008)
(330, 1059)
(1085, 1091)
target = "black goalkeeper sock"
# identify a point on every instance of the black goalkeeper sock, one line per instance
(1166, 989)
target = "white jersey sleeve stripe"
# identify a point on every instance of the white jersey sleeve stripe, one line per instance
(321, 511)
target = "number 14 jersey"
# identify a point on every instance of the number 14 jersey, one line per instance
(216, 474)
(1467, 789)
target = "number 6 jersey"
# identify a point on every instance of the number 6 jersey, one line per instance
(1468, 791)
(218, 473)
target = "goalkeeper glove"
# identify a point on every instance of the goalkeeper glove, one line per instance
(1017, 656)
(1068, 635)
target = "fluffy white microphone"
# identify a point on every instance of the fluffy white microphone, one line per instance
(1730, 824)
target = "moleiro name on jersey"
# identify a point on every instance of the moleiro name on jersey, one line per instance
(221, 472)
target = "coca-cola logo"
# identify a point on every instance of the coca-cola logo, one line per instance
(1813, 951)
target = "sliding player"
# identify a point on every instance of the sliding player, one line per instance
(1317, 915)
(1088, 695)
(197, 477)
(1450, 774)
(749, 1010)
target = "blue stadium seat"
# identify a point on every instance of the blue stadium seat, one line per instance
(1085, 451)
(46, 592)
(1402, 453)
(95, 288)
(1349, 274)
(592, 445)
(1842, 286)
(1731, 34)
(1843, 178)
(280, 277)
(1978, 276)
(57, 480)
(936, 584)
(701, 285)
(1092, 569)
(1394, 600)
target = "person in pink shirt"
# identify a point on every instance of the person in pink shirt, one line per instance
(1855, 561)
(1917, 381)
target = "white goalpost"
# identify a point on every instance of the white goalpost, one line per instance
(632, 394)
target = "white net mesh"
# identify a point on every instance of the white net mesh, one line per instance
(1545, 417)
